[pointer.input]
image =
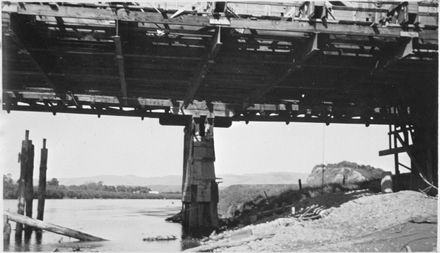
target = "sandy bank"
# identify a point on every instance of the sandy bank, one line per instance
(405, 220)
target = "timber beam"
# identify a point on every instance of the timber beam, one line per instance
(300, 26)
(222, 121)
(121, 68)
(202, 71)
(395, 150)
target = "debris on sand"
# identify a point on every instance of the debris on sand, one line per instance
(356, 225)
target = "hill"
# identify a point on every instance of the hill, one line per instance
(343, 172)
(123, 180)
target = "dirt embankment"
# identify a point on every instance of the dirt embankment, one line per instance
(405, 220)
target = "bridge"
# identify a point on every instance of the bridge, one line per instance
(209, 64)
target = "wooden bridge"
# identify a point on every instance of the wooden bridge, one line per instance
(212, 63)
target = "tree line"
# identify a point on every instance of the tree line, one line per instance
(86, 191)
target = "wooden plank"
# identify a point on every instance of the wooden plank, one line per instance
(394, 151)
(192, 20)
(51, 227)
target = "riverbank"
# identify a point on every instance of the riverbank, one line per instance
(367, 221)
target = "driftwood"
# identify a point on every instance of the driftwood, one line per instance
(51, 227)
(160, 238)
(227, 244)
(271, 211)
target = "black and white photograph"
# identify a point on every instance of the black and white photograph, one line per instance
(219, 126)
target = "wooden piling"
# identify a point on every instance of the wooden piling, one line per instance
(42, 182)
(20, 207)
(28, 183)
(51, 227)
(24, 163)
(6, 230)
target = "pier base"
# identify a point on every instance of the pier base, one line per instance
(200, 190)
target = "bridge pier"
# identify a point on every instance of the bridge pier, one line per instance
(199, 188)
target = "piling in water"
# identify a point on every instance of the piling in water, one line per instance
(25, 184)
(28, 183)
(42, 183)
(6, 230)
(21, 184)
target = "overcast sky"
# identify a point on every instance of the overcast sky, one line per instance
(85, 145)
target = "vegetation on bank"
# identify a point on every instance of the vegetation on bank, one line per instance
(242, 193)
(261, 208)
(87, 191)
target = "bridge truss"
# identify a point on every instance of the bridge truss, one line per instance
(358, 62)
(303, 61)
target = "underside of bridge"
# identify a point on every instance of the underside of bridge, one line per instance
(212, 63)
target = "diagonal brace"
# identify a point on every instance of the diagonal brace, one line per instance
(202, 71)
(309, 49)
(403, 48)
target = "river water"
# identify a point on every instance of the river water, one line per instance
(124, 223)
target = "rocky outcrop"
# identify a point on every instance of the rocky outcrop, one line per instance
(343, 173)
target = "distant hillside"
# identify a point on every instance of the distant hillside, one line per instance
(348, 172)
(165, 183)
(124, 180)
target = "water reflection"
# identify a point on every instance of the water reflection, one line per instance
(38, 236)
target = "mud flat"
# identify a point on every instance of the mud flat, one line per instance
(401, 221)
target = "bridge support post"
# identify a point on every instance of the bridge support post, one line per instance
(424, 155)
(424, 158)
(200, 190)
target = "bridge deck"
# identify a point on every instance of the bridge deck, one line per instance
(350, 62)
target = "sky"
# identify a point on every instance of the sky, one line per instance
(85, 145)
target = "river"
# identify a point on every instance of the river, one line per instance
(124, 223)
